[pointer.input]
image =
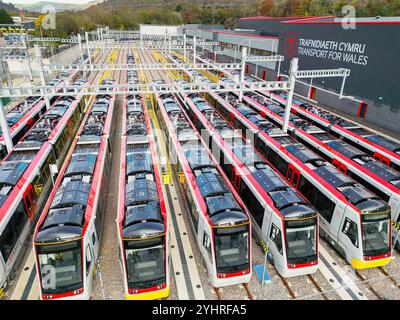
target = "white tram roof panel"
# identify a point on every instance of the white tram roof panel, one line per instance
(385, 172)
(138, 163)
(385, 142)
(222, 203)
(357, 194)
(19, 155)
(346, 149)
(144, 212)
(324, 136)
(246, 111)
(10, 173)
(61, 224)
(72, 193)
(140, 191)
(269, 180)
(285, 198)
(246, 153)
(81, 164)
(211, 184)
(334, 177)
(196, 155)
(304, 154)
(361, 132)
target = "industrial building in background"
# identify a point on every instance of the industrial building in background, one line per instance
(368, 49)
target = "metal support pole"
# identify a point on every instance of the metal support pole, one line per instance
(242, 71)
(41, 73)
(5, 128)
(194, 50)
(184, 47)
(87, 46)
(279, 69)
(81, 52)
(30, 71)
(28, 63)
(8, 75)
(309, 89)
(342, 88)
(294, 65)
(256, 73)
(169, 44)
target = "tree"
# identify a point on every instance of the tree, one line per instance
(266, 6)
(5, 18)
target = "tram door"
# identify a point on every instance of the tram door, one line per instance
(236, 179)
(293, 176)
(29, 201)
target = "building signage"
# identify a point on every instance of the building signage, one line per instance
(349, 52)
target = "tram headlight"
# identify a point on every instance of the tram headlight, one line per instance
(78, 291)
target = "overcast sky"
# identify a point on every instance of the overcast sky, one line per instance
(57, 1)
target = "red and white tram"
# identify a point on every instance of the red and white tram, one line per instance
(67, 236)
(219, 217)
(142, 222)
(25, 178)
(353, 219)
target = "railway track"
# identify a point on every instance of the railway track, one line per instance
(187, 280)
(108, 283)
(249, 294)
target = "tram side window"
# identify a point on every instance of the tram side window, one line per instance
(274, 159)
(350, 230)
(252, 203)
(88, 259)
(12, 231)
(207, 242)
(276, 237)
(324, 206)
(282, 166)
(306, 188)
(192, 210)
(20, 217)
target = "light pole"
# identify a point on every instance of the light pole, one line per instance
(41, 73)
(87, 46)
(294, 65)
(5, 128)
(194, 50)
(184, 47)
(242, 72)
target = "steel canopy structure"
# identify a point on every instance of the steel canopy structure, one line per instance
(106, 40)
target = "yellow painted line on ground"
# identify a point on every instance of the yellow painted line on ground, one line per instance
(168, 165)
(207, 74)
(158, 56)
(24, 278)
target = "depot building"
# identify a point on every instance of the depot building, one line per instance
(367, 46)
